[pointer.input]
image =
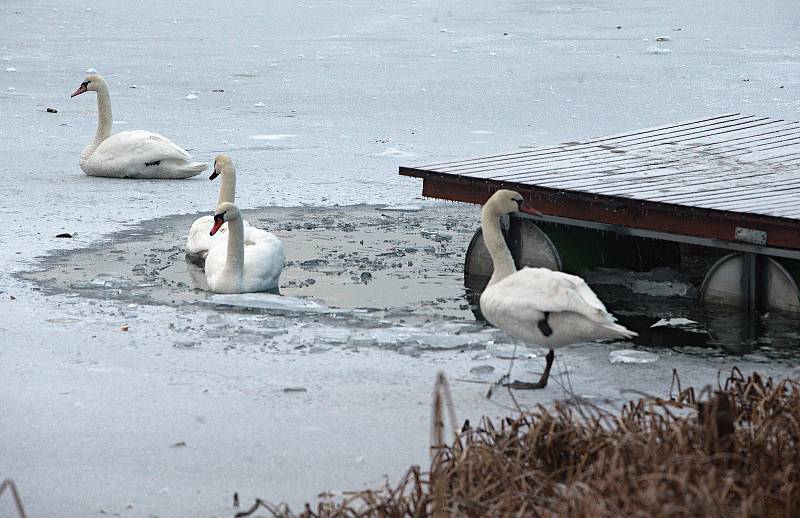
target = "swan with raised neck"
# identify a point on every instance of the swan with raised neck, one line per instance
(105, 118)
(130, 154)
(256, 267)
(199, 240)
(537, 305)
(501, 203)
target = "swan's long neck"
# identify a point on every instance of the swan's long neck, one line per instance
(234, 261)
(502, 260)
(105, 121)
(227, 188)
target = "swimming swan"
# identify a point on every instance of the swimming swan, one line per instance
(200, 240)
(237, 268)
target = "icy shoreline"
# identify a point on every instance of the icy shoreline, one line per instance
(318, 104)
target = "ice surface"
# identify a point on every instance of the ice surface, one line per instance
(106, 405)
(631, 356)
(271, 137)
(482, 369)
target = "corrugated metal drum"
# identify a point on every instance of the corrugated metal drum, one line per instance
(727, 283)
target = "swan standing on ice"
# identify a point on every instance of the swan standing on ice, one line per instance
(238, 269)
(537, 305)
(130, 154)
(200, 239)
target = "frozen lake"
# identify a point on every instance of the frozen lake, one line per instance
(318, 103)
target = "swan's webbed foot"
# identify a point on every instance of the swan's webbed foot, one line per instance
(542, 383)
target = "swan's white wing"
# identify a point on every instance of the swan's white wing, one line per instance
(143, 146)
(579, 284)
(141, 154)
(200, 240)
(541, 290)
(263, 260)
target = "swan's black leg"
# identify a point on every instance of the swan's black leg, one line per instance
(542, 383)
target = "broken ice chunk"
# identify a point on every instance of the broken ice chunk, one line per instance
(631, 356)
(674, 322)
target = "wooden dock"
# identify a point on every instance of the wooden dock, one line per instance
(730, 181)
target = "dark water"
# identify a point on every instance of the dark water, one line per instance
(409, 266)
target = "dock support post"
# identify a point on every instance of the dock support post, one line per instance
(754, 282)
(754, 286)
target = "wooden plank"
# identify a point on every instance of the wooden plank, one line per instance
(668, 138)
(567, 172)
(698, 179)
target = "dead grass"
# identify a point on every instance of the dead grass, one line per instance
(736, 453)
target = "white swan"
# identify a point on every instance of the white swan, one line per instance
(238, 269)
(537, 305)
(130, 154)
(200, 239)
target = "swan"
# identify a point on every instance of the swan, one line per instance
(538, 305)
(130, 154)
(200, 240)
(238, 269)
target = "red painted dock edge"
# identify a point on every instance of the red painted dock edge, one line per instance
(611, 210)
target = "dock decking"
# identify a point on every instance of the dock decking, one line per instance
(730, 181)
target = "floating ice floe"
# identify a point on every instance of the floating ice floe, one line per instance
(482, 369)
(267, 301)
(191, 96)
(91, 70)
(412, 207)
(654, 49)
(259, 104)
(11, 69)
(413, 339)
(391, 151)
(506, 351)
(277, 136)
(674, 322)
(631, 356)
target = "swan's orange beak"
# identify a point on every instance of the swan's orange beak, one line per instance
(529, 210)
(218, 221)
(79, 91)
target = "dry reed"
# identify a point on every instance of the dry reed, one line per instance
(737, 453)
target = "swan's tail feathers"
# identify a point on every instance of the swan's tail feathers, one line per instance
(621, 331)
(197, 167)
(187, 170)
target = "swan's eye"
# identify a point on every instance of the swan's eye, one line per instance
(85, 83)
